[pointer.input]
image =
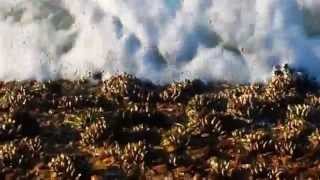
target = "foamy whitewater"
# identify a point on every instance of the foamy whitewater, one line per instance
(161, 40)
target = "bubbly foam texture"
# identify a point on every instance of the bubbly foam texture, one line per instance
(161, 40)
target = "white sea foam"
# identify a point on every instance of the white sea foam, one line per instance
(162, 40)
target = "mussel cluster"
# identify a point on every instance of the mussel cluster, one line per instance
(125, 127)
(126, 87)
(64, 166)
(19, 154)
(182, 91)
(95, 132)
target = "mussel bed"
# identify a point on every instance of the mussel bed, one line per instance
(128, 128)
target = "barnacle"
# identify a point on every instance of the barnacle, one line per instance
(128, 87)
(286, 147)
(313, 100)
(63, 166)
(278, 173)
(83, 118)
(8, 99)
(9, 127)
(254, 89)
(283, 80)
(20, 154)
(132, 157)
(205, 126)
(95, 133)
(204, 103)
(279, 99)
(283, 88)
(112, 153)
(13, 97)
(293, 128)
(16, 95)
(181, 91)
(245, 105)
(314, 138)
(139, 113)
(141, 108)
(175, 138)
(259, 169)
(33, 147)
(219, 167)
(238, 133)
(76, 101)
(301, 111)
(257, 141)
(11, 155)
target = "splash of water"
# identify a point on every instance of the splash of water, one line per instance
(162, 40)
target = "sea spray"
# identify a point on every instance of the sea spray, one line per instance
(162, 40)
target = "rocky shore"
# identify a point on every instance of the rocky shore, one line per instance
(126, 127)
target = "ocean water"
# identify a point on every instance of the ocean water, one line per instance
(161, 40)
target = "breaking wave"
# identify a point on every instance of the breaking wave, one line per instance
(161, 40)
